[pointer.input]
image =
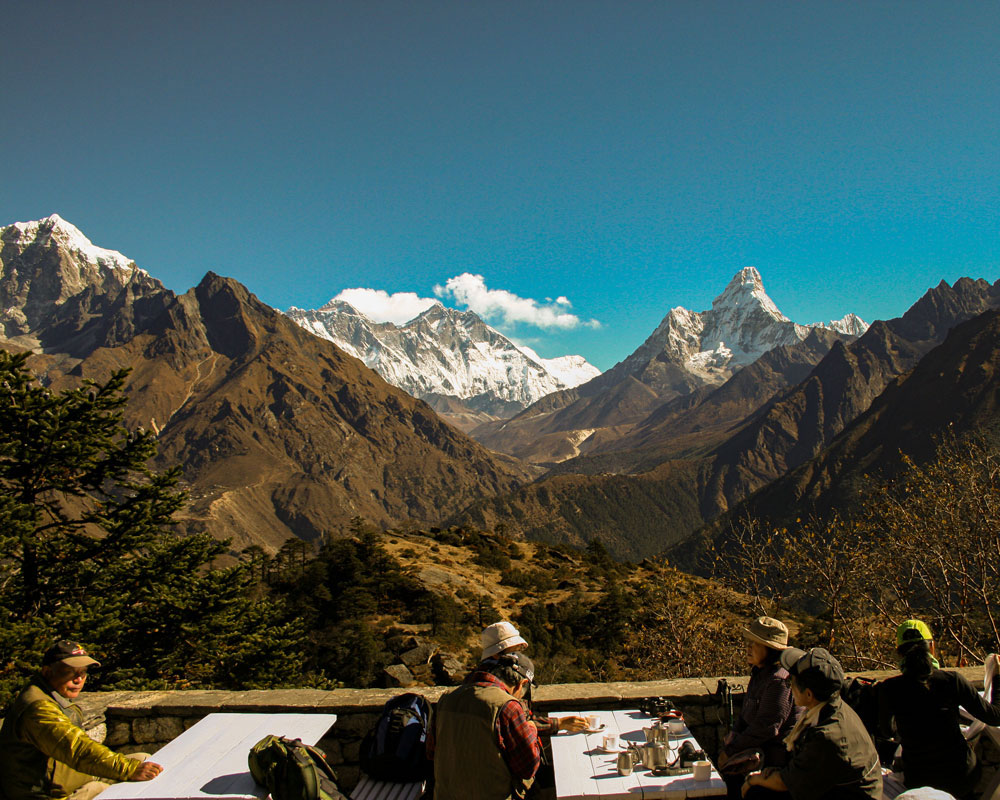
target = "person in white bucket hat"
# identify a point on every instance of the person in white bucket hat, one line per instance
(502, 638)
(499, 638)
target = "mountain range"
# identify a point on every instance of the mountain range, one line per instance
(706, 452)
(469, 372)
(283, 433)
(688, 352)
(280, 433)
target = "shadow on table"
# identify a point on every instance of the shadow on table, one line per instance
(224, 784)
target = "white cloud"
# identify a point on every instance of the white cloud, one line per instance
(491, 304)
(380, 306)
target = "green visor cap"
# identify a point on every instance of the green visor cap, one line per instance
(912, 630)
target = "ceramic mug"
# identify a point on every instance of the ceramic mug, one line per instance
(701, 770)
(611, 741)
(593, 722)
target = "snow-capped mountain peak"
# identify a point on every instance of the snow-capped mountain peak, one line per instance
(45, 263)
(746, 291)
(71, 239)
(709, 346)
(443, 351)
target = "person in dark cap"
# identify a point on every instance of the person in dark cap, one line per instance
(44, 752)
(483, 744)
(832, 755)
(923, 705)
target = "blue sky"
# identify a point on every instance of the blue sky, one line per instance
(624, 157)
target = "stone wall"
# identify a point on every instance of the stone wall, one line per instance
(133, 721)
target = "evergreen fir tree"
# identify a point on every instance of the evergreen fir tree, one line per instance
(87, 553)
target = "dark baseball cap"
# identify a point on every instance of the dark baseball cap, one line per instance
(70, 654)
(814, 669)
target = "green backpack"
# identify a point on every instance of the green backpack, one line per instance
(291, 770)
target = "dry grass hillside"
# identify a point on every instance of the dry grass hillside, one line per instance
(419, 599)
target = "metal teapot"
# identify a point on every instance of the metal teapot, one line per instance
(655, 755)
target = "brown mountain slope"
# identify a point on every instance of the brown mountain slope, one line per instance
(279, 432)
(842, 386)
(689, 426)
(633, 515)
(955, 389)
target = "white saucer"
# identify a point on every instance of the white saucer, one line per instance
(595, 730)
(604, 749)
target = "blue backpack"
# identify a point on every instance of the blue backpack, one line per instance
(395, 749)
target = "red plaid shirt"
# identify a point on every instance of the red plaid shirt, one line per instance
(517, 737)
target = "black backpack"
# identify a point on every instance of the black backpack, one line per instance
(290, 770)
(395, 749)
(861, 694)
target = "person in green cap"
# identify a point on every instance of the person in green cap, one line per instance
(922, 704)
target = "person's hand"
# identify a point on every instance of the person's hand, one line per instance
(572, 723)
(147, 771)
(747, 783)
(723, 758)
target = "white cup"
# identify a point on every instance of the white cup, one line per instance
(593, 722)
(702, 770)
(611, 741)
(676, 727)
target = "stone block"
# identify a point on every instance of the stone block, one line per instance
(156, 729)
(351, 752)
(353, 726)
(397, 675)
(138, 704)
(148, 748)
(119, 733)
(276, 701)
(98, 733)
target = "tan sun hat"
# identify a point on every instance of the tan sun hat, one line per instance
(498, 637)
(767, 631)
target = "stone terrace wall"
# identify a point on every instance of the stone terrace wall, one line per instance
(133, 721)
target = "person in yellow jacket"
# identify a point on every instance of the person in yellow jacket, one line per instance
(44, 752)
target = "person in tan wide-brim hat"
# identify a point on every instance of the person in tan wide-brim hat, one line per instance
(768, 631)
(768, 711)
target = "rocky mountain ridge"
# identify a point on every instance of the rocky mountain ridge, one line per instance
(953, 390)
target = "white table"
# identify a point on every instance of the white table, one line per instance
(585, 772)
(209, 760)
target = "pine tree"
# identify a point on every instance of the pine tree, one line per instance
(87, 553)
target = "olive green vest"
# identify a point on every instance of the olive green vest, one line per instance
(25, 771)
(468, 764)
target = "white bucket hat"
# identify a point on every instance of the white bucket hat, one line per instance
(498, 637)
